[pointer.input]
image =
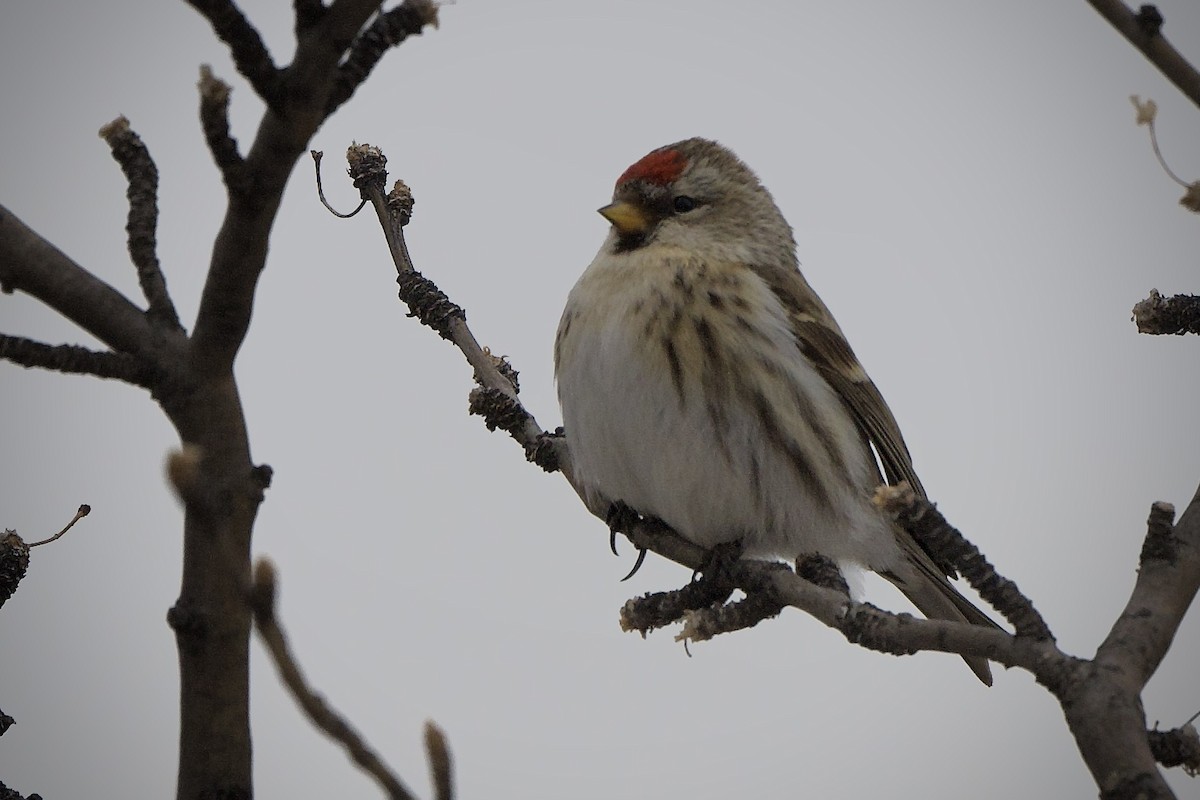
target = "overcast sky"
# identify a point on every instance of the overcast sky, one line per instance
(972, 199)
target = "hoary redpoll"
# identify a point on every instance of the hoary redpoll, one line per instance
(703, 382)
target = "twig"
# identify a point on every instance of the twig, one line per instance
(1177, 748)
(131, 153)
(1143, 31)
(1167, 581)
(385, 32)
(214, 121)
(922, 519)
(262, 602)
(1168, 315)
(441, 773)
(250, 55)
(429, 304)
(317, 155)
(82, 512)
(74, 359)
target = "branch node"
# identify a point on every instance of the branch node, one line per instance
(400, 202)
(1150, 20)
(546, 450)
(1160, 543)
(14, 561)
(368, 167)
(428, 303)
(499, 410)
(876, 629)
(1177, 748)
(1168, 315)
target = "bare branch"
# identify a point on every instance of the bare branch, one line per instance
(1168, 579)
(1168, 315)
(240, 249)
(1177, 748)
(130, 152)
(385, 32)
(317, 156)
(214, 121)
(83, 511)
(441, 772)
(30, 264)
(73, 359)
(250, 55)
(262, 602)
(497, 380)
(922, 519)
(1143, 30)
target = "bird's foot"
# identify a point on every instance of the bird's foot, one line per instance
(714, 578)
(620, 518)
(823, 571)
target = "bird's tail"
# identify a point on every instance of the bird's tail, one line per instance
(930, 591)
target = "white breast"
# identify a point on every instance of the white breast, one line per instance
(716, 433)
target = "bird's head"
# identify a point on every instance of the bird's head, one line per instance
(698, 196)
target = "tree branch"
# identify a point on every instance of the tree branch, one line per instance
(133, 157)
(214, 121)
(1167, 582)
(1143, 30)
(250, 55)
(73, 359)
(239, 253)
(1101, 704)
(1177, 748)
(332, 724)
(498, 401)
(926, 524)
(1168, 315)
(30, 264)
(388, 30)
(308, 13)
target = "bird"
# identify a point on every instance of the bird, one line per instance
(704, 383)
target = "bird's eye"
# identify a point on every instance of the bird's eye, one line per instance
(684, 204)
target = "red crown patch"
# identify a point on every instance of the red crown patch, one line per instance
(659, 168)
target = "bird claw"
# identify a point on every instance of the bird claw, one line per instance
(636, 565)
(618, 518)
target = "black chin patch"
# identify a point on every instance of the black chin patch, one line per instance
(629, 242)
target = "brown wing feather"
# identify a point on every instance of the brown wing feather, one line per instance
(823, 343)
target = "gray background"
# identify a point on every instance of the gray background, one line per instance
(971, 198)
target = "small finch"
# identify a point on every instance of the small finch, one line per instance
(703, 382)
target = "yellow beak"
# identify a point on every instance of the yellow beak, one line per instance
(626, 217)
